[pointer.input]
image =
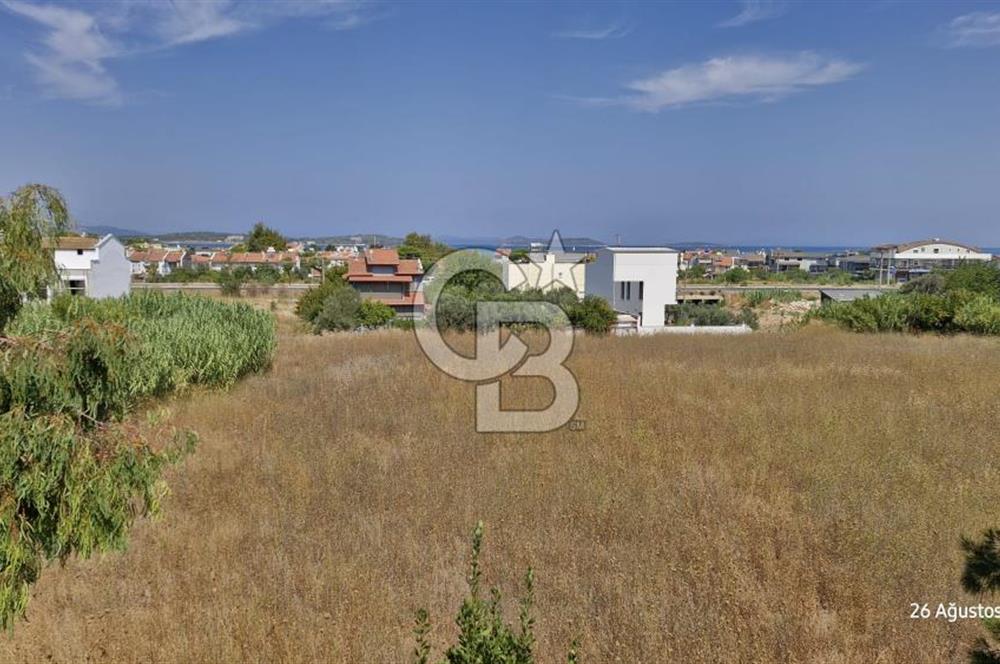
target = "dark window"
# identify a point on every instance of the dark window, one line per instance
(641, 284)
(628, 290)
(621, 287)
(77, 287)
(79, 252)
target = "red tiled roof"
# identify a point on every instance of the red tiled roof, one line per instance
(155, 256)
(410, 266)
(382, 257)
(358, 269)
(254, 257)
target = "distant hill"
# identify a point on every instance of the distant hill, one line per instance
(101, 231)
(357, 238)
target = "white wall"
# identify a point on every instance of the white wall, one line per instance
(111, 273)
(944, 251)
(105, 269)
(655, 268)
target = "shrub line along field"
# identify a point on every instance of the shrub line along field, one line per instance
(769, 498)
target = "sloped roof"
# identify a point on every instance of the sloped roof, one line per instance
(382, 257)
(906, 246)
(71, 242)
(405, 269)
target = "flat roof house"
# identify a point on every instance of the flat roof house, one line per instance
(380, 274)
(95, 267)
(640, 281)
(901, 262)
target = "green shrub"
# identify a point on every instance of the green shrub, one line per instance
(593, 314)
(483, 635)
(755, 298)
(933, 284)
(980, 315)
(736, 275)
(339, 312)
(311, 302)
(372, 313)
(74, 474)
(708, 315)
(977, 277)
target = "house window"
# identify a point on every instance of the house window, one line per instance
(77, 287)
(628, 290)
(937, 250)
(641, 284)
(79, 252)
(621, 287)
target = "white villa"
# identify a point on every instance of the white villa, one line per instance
(638, 281)
(95, 267)
(900, 262)
(547, 269)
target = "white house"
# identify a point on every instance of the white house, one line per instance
(95, 267)
(912, 259)
(640, 281)
(547, 269)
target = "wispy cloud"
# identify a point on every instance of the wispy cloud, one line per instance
(72, 64)
(751, 77)
(975, 29)
(615, 30)
(79, 42)
(755, 10)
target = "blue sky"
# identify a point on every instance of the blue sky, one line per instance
(741, 122)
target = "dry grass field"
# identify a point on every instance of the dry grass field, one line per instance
(767, 498)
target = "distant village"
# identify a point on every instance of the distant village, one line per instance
(638, 282)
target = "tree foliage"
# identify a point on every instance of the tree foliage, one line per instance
(262, 237)
(75, 470)
(981, 576)
(339, 312)
(966, 299)
(372, 313)
(31, 220)
(423, 247)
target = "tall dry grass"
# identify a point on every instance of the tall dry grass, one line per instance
(767, 498)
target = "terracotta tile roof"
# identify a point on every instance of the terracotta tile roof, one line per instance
(253, 257)
(199, 259)
(156, 256)
(410, 266)
(382, 257)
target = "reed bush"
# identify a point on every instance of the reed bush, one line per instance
(74, 472)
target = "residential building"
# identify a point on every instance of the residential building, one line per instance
(162, 261)
(640, 281)
(380, 274)
(95, 267)
(780, 260)
(546, 269)
(902, 262)
(254, 259)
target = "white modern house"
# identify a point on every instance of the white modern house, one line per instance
(95, 267)
(900, 262)
(546, 269)
(639, 281)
